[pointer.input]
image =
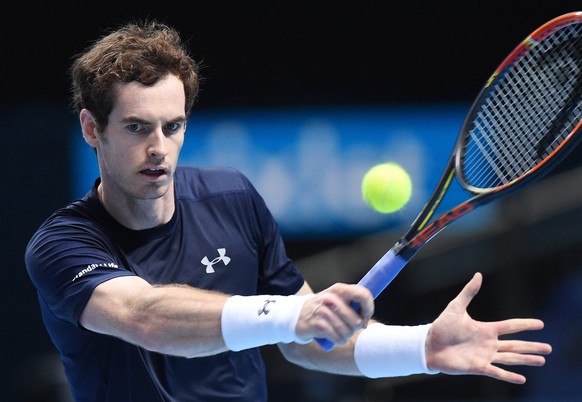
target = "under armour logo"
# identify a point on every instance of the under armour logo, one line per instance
(265, 310)
(221, 257)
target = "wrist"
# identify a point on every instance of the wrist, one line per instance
(252, 321)
(392, 351)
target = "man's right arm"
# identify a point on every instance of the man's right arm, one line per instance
(171, 319)
(185, 321)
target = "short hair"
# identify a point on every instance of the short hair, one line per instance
(137, 51)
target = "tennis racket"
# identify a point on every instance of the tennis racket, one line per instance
(522, 124)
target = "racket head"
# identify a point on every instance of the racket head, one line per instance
(525, 119)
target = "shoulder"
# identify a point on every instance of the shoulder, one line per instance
(203, 182)
(78, 221)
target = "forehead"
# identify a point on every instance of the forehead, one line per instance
(166, 96)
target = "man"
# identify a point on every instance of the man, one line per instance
(133, 309)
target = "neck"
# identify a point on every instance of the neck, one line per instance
(138, 214)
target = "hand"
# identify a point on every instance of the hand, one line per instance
(328, 314)
(457, 344)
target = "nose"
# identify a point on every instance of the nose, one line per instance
(157, 145)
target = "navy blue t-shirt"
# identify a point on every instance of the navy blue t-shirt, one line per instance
(221, 237)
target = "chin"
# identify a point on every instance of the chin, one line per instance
(153, 193)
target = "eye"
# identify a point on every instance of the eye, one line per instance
(135, 127)
(174, 127)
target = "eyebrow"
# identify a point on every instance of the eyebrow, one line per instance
(135, 119)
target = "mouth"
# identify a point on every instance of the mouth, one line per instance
(154, 173)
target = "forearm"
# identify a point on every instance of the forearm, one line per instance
(339, 360)
(180, 320)
(377, 351)
(172, 319)
(185, 321)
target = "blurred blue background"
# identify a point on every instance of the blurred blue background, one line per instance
(304, 97)
(309, 164)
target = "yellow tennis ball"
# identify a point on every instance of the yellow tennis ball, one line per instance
(386, 187)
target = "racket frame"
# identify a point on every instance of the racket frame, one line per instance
(421, 231)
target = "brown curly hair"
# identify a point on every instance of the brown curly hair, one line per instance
(145, 52)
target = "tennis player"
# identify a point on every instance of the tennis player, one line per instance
(163, 282)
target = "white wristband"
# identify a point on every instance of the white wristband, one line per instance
(251, 321)
(392, 351)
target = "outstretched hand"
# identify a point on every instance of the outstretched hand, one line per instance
(458, 344)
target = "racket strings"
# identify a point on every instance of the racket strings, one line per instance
(528, 112)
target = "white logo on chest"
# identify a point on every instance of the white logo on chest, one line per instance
(221, 257)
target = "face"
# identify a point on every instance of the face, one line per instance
(138, 151)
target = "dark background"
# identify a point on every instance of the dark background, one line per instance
(292, 53)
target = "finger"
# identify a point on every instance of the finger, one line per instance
(335, 320)
(365, 304)
(515, 359)
(356, 309)
(335, 317)
(518, 325)
(503, 375)
(525, 347)
(353, 316)
(355, 296)
(330, 326)
(469, 291)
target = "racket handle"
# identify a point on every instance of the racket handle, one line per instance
(383, 272)
(327, 345)
(375, 280)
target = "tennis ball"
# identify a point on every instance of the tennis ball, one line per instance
(386, 187)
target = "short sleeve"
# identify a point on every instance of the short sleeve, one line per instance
(66, 259)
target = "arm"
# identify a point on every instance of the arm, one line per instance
(456, 344)
(172, 319)
(185, 321)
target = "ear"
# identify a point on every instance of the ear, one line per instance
(89, 127)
